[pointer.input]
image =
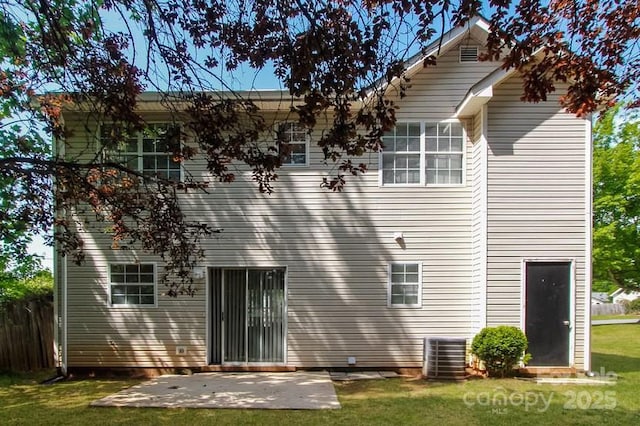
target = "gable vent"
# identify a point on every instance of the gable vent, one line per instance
(468, 54)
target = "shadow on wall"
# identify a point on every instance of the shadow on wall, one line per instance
(336, 247)
(511, 120)
(336, 263)
(101, 335)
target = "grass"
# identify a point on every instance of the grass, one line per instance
(606, 317)
(393, 401)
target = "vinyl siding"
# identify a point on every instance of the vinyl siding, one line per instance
(536, 200)
(100, 335)
(336, 248)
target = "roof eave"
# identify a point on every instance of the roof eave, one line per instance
(473, 102)
(435, 49)
(481, 92)
(266, 100)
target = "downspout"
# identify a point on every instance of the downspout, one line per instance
(60, 290)
(57, 348)
(588, 219)
(484, 213)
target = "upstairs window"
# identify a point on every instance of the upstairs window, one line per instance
(401, 157)
(423, 153)
(146, 152)
(132, 284)
(444, 152)
(293, 142)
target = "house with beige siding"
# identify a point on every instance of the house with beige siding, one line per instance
(476, 213)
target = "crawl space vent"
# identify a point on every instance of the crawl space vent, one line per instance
(468, 54)
(444, 358)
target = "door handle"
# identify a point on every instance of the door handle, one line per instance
(567, 323)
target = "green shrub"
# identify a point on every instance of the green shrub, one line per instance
(633, 307)
(500, 348)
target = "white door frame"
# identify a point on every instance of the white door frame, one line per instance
(209, 318)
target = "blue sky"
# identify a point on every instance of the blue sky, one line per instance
(38, 247)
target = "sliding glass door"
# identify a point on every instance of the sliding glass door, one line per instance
(248, 315)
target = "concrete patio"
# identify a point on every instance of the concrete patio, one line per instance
(301, 390)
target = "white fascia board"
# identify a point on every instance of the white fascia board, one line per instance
(473, 102)
(437, 48)
(483, 91)
(467, 107)
(616, 292)
(441, 46)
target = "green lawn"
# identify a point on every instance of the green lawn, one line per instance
(606, 317)
(393, 401)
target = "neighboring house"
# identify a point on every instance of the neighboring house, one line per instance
(598, 298)
(622, 295)
(476, 214)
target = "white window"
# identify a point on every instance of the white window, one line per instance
(405, 285)
(146, 152)
(401, 157)
(132, 284)
(423, 153)
(444, 152)
(293, 142)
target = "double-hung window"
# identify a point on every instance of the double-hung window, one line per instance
(401, 157)
(132, 284)
(146, 152)
(293, 142)
(444, 145)
(423, 153)
(405, 285)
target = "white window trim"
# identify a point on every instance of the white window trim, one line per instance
(139, 151)
(307, 145)
(423, 159)
(128, 306)
(464, 157)
(422, 162)
(389, 283)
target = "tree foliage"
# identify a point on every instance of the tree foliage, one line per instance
(24, 279)
(616, 204)
(334, 58)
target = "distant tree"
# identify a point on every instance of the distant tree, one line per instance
(616, 203)
(24, 279)
(335, 57)
(603, 286)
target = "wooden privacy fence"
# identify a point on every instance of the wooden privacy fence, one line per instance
(608, 309)
(26, 335)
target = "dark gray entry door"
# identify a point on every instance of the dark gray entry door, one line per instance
(547, 312)
(247, 315)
